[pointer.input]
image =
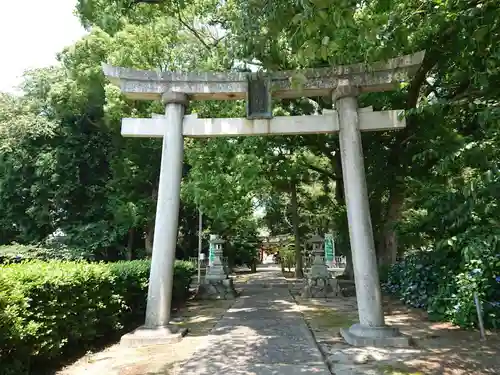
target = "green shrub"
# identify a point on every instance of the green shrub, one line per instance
(444, 284)
(16, 253)
(416, 278)
(51, 309)
(455, 300)
(287, 254)
(241, 253)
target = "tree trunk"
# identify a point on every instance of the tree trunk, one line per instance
(150, 229)
(339, 182)
(349, 268)
(299, 272)
(345, 245)
(130, 244)
(253, 267)
(148, 239)
(387, 249)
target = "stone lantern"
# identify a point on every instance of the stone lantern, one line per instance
(319, 283)
(318, 266)
(217, 283)
(217, 271)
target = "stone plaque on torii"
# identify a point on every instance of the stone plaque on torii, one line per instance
(343, 84)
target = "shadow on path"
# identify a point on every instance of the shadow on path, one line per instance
(263, 333)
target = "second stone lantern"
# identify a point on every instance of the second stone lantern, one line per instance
(217, 283)
(319, 283)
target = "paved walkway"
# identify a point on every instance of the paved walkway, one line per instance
(262, 334)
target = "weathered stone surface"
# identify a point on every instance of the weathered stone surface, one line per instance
(320, 287)
(347, 288)
(219, 127)
(352, 369)
(217, 289)
(348, 360)
(259, 103)
(150, 85)
(359, 335)
(159, 296)
(262, 334)
(144, 336)
(175, 97)
(438, 346)
(356, 357)
(344, 89)
(359, 219)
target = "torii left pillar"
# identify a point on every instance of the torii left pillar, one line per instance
(157, 328)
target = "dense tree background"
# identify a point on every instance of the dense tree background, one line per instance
(434, 187)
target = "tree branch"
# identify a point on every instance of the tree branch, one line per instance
(322, 171)
(192, 29)
(430, 60)
(460, 90)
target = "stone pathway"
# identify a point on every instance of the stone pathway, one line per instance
(263, 333)
(439, 348)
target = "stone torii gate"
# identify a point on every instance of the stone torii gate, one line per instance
(344, 84)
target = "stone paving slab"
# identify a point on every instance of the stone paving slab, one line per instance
(262, 334)
(439, 348)
(223, 368)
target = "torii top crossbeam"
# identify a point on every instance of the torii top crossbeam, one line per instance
(150, 85)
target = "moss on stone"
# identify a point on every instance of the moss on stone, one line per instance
(399, 369)
(325, 317)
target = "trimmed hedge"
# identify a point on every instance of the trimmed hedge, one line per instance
(16, 253)
(49, 310)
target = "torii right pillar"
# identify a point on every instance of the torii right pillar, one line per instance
(371, 329)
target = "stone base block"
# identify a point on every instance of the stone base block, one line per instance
(358, 335)
(347, 288)
(217, 289)
(320, 287)
(144, 336)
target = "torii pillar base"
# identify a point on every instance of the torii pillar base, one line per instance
(381, 337)
(144, 336)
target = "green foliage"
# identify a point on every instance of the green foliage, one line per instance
(287, 255)
(416, 278)
(445, 286)
(16, 253)
(51, 309)
(455, 213)
(241, 252)
(64, 164)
